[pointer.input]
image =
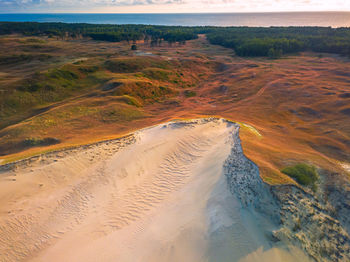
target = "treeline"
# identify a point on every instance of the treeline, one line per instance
(112, 33)
(246, 41)
(276, 41)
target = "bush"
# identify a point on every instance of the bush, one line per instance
(30, 142)
(125, 65)
(134, 64)
(189, 93)
(157, 74)
(304, 174)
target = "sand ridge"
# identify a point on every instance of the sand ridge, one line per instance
(160, 197)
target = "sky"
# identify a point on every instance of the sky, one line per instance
(169, 6)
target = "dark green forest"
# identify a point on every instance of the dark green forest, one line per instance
(111, 33)
(246, 41)
(276, 41)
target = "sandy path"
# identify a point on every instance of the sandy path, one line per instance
(159, 195)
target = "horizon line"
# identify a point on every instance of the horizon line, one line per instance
(136, 13)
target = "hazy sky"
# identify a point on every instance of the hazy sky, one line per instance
(171, 6)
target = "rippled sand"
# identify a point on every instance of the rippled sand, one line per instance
(157, 195)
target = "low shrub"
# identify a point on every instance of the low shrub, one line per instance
(31, 142)
(189, 93)
(304, 174)
(134, 64)
(156, 74)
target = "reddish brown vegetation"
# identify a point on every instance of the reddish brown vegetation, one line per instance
(300, 105)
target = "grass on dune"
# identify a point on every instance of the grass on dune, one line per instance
(135, 64)
(190, 93)
(83, 91)
(33, 141)
(145, 90)
(131, 81)
(44, 88)
(304, 174)
(130, 100)
(22, 58)
(32, 40)
(157, 74)
(62, 121)
(150, 82)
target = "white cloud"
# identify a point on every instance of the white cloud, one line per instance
(173, 5)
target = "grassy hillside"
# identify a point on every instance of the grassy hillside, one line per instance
(58, 93)
(75, 94)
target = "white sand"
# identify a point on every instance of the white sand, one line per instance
(162, 198)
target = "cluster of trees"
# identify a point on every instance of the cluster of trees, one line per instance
(113, 33)
(246, 41)
(275, 41)
(115, 36)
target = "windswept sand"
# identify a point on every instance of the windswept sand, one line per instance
(157, 195)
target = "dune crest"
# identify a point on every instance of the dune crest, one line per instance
(160, 194)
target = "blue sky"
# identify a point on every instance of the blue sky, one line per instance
(171, 6)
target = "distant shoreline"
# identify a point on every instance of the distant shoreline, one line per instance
(165, 13)
(253, 19)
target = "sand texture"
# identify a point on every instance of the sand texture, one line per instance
(160, 194)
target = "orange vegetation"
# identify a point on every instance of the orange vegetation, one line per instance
(294, 109)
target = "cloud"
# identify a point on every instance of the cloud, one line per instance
(36, 3)
(75, 5)
(172, 5)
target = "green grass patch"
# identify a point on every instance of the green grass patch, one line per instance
(119, 113)
(88, 69)
(43, 88)
(134, 64)
(131, 100)
(156, 74)
(32, 40)
(58, 83)
(31, 142)
(190, 93)
(55, 80)
(250, 128)
(143, 90)
(304, 174)
(22, 58)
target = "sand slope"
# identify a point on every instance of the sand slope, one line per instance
(158, 195)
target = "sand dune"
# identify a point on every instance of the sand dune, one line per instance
(157, 195)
